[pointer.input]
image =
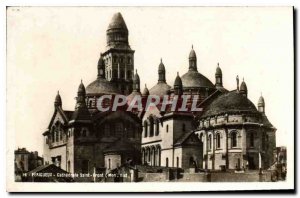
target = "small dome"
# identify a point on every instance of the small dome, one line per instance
(261, 102)
(243, 87)
(192, 54)
(117, 22)
(145, 91)
(101, 86)
(160, 89)
(81, 88)
(231, 102)
(218, 71)
(161, 66)
(193, 79)
(178, 81)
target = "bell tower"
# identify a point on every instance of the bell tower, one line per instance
(119, 57)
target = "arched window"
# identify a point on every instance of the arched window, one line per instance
(167, 162)
(251, 139)
(90, 103)
(146, 128)
(233, 139)
(218, 139)
(151, 132)
(209, 141)
(157, 127)
(167, 128)
(183, 127)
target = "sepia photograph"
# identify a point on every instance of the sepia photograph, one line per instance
(149, 99)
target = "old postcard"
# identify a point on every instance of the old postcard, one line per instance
(147, 99)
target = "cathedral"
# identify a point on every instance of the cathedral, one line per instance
(229, 133)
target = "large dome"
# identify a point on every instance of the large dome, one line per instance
(160, 89)
(231, 102)
(193, 79)
(101, 86)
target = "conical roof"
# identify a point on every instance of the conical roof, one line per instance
(117, 22)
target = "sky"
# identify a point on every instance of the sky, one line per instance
(53, 48)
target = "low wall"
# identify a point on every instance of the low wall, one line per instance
(192, 177)
(239, 177)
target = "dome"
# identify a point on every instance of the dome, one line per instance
(146, 91)
(117, 22)
(194, 79)
(230, 102)
(160, 89)
(261, 101)
(101, 86)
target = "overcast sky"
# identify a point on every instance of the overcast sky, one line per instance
(50, 49)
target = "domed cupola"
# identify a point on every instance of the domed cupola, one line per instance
(81, 112)
(192, 60)
(136, 87)
(58, 101)
(101, 68)
(261, 104)
(80, 99)
(145, 91)
(101, 85)
(81, 89)
(193, 79)
(136, 82)
(218, 75)
(161, 72)
(178, 85)
(161, 88)
(244, 89)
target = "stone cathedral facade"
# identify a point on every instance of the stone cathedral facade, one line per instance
(230, 132)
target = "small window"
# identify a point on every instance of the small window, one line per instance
(167, 162)
(177, 162)
(167, 128)
(145, 128)
(183, 127)
(233, 139)
(218, 139)
(209, 142)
